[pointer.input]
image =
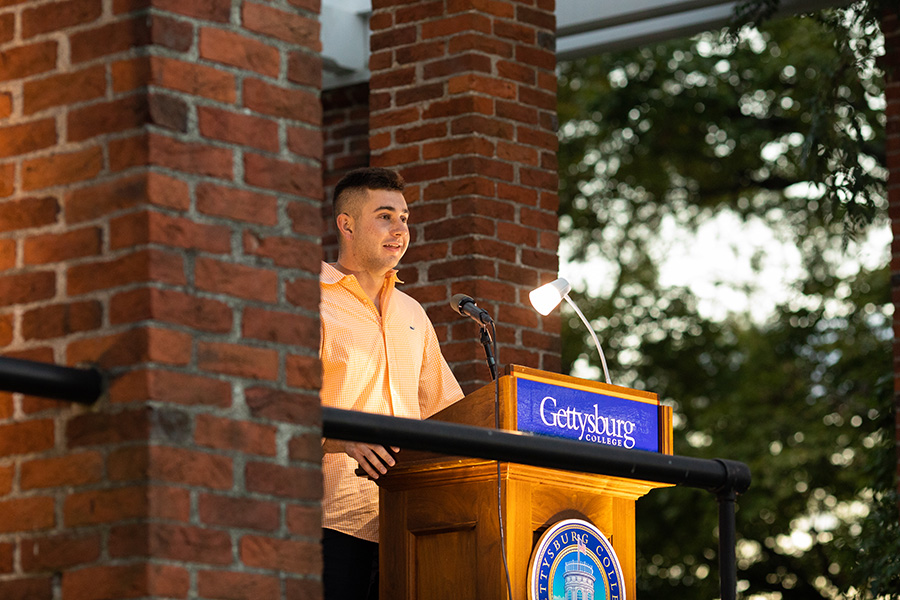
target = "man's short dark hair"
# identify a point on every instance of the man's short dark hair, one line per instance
(367, 178)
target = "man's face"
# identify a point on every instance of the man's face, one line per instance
(381, 234)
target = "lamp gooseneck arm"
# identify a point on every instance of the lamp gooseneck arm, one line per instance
(593, 335)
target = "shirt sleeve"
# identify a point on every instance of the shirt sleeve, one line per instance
(438, 387)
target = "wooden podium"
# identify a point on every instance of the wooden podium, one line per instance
(439, 520)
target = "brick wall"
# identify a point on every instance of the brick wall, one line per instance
(890, 63)
(160, 189)
(463, 103)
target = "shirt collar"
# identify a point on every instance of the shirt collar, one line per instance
(331, 275)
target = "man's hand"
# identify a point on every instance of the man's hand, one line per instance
(374, 459)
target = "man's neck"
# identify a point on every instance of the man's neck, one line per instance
(371, 283)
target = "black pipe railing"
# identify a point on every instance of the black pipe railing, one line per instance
(725, 478)
(50, 381)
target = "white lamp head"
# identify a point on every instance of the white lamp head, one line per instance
(547, 297)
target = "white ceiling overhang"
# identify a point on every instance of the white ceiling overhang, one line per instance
(583, 28)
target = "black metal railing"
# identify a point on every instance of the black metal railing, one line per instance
(50, 381)
(724, 478)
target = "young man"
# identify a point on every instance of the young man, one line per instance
(379, 354)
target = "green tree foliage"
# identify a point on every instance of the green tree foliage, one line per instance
(782, 125)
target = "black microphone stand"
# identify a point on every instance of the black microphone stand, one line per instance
(488, 353)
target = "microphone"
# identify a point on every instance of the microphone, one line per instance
(466, 306)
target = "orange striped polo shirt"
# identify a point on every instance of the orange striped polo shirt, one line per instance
(388, 363)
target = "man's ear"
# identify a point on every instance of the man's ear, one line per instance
(344, 224)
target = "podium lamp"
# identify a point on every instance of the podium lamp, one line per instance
(545, 298)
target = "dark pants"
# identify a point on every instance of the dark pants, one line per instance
(351, 567)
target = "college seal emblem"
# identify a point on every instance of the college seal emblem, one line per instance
(573, 560)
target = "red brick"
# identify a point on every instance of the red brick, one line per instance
(6, 557)
(295, 178)
(240, 513)
(280, 327)
(142, 266)
(305, 448)
(7, 177)
(304, 372)
(99, 200)
(7, 31)
(456, 64)
(170, 306)
(298, 408)
(211, 10)
(130, 74)
(240, 205)
(174, 34)
(58, 320)
(59, 552)
(27, 514)
(26, 588)
(64, 88)
(23, 61)
(6, 412)
(194, 158)
(283, 25)
(305, 68)
(228, 434)
(169, 386)
(313, 6)
(119, 36)
(303, 588)
(60, 247)
(156, 228)
(6, 331)
(235, 359)
(105, 506)
(285, 103)
(122, 114)
(239, 51)
(92, 429)
(251, 283)
(190, 467)
(59, 15)
(61, 169)
(27, 213)
(126, 581)
(169, 112)
(25, 437)
(236, 128)
(195, 79)
(24, 138)
(133, 347)
(304, 519)
(172, 542)
(288, 556)
(229, 585)
(23, 288)
(303, 293)
(285, 252)
(307, 141)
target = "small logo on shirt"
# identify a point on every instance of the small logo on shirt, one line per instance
(411, 327)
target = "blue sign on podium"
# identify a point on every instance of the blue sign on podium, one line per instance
(607, 417)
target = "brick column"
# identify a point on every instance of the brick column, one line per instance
(463, 103)
(160, 188)
(890, 63)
